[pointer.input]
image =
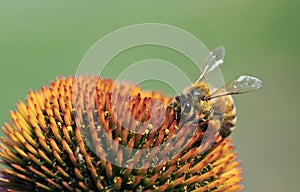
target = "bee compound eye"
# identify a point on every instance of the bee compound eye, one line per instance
(187, 107)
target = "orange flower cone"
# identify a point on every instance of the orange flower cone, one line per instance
(60, 140)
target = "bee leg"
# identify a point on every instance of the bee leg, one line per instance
(208, 114)
(176, 111)
(177, 117)
(170, 107)
(203, 122)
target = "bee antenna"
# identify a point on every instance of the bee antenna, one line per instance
(207, 98)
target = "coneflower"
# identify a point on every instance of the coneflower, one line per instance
(69, 137)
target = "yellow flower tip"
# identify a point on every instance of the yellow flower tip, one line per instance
(60, 139)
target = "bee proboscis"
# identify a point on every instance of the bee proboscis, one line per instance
(200, 102)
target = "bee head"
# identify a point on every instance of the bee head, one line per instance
(196, 96)
(192, 102)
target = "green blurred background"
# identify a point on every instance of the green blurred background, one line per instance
(42, 40)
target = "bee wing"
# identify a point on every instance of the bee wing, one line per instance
(242, 84)
(212, 61)
(210, 135)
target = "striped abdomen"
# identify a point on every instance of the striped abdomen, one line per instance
(229, 120)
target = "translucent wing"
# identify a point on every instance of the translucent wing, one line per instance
(213, 60)
(242, 84)
(210, 135)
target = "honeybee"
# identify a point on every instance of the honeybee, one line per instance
(200, 102)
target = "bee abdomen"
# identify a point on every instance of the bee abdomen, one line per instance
(229, 118)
